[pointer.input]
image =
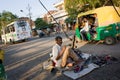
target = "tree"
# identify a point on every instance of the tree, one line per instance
(75, 7)
(6, 18)
(40, 23)
(72, 7)
(108, 2)
(115, 2)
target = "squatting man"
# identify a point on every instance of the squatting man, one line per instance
(63, 56)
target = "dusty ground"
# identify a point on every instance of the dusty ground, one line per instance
(107, 72)
(24, 61)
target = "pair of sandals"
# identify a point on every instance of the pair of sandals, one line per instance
(76, 67)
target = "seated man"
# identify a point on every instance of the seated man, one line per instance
(62, 53)
(85, 28)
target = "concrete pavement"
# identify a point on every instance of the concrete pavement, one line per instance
(107, 72)
(24, 61)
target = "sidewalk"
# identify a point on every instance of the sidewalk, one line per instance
(107, 72)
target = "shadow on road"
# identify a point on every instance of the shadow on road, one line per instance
(26, 68)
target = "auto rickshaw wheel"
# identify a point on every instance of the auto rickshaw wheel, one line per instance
(109, 40)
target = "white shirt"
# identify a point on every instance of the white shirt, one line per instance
(55, 51)
(86, 27)
(96, 22)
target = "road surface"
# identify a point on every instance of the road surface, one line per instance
(23, 61)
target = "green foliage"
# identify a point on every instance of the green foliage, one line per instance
(116, 2)
(69, 20)
(77, 6)
(72, 7)
(40, 23)
(6, 17)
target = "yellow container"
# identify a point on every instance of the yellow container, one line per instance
(1, 54)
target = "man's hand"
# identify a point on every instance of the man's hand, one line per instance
(61, 53)
(70, 39)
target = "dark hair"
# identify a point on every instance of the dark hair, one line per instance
(58, 37)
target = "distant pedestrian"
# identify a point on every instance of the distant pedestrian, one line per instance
(57, 29)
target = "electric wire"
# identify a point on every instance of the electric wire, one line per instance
(114, 7)
(53, 18)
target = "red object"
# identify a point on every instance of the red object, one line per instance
(53, 63)
(77, 69)
(107, 57)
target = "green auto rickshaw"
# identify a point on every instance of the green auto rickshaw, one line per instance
(108, 24)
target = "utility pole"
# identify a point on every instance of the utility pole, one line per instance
(29, 14)
(30, 20)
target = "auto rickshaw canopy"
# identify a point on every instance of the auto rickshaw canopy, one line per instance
(106, 15)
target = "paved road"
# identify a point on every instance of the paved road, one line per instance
(24, 61)
(108, 72)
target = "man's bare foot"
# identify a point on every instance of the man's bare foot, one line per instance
(70, 64)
